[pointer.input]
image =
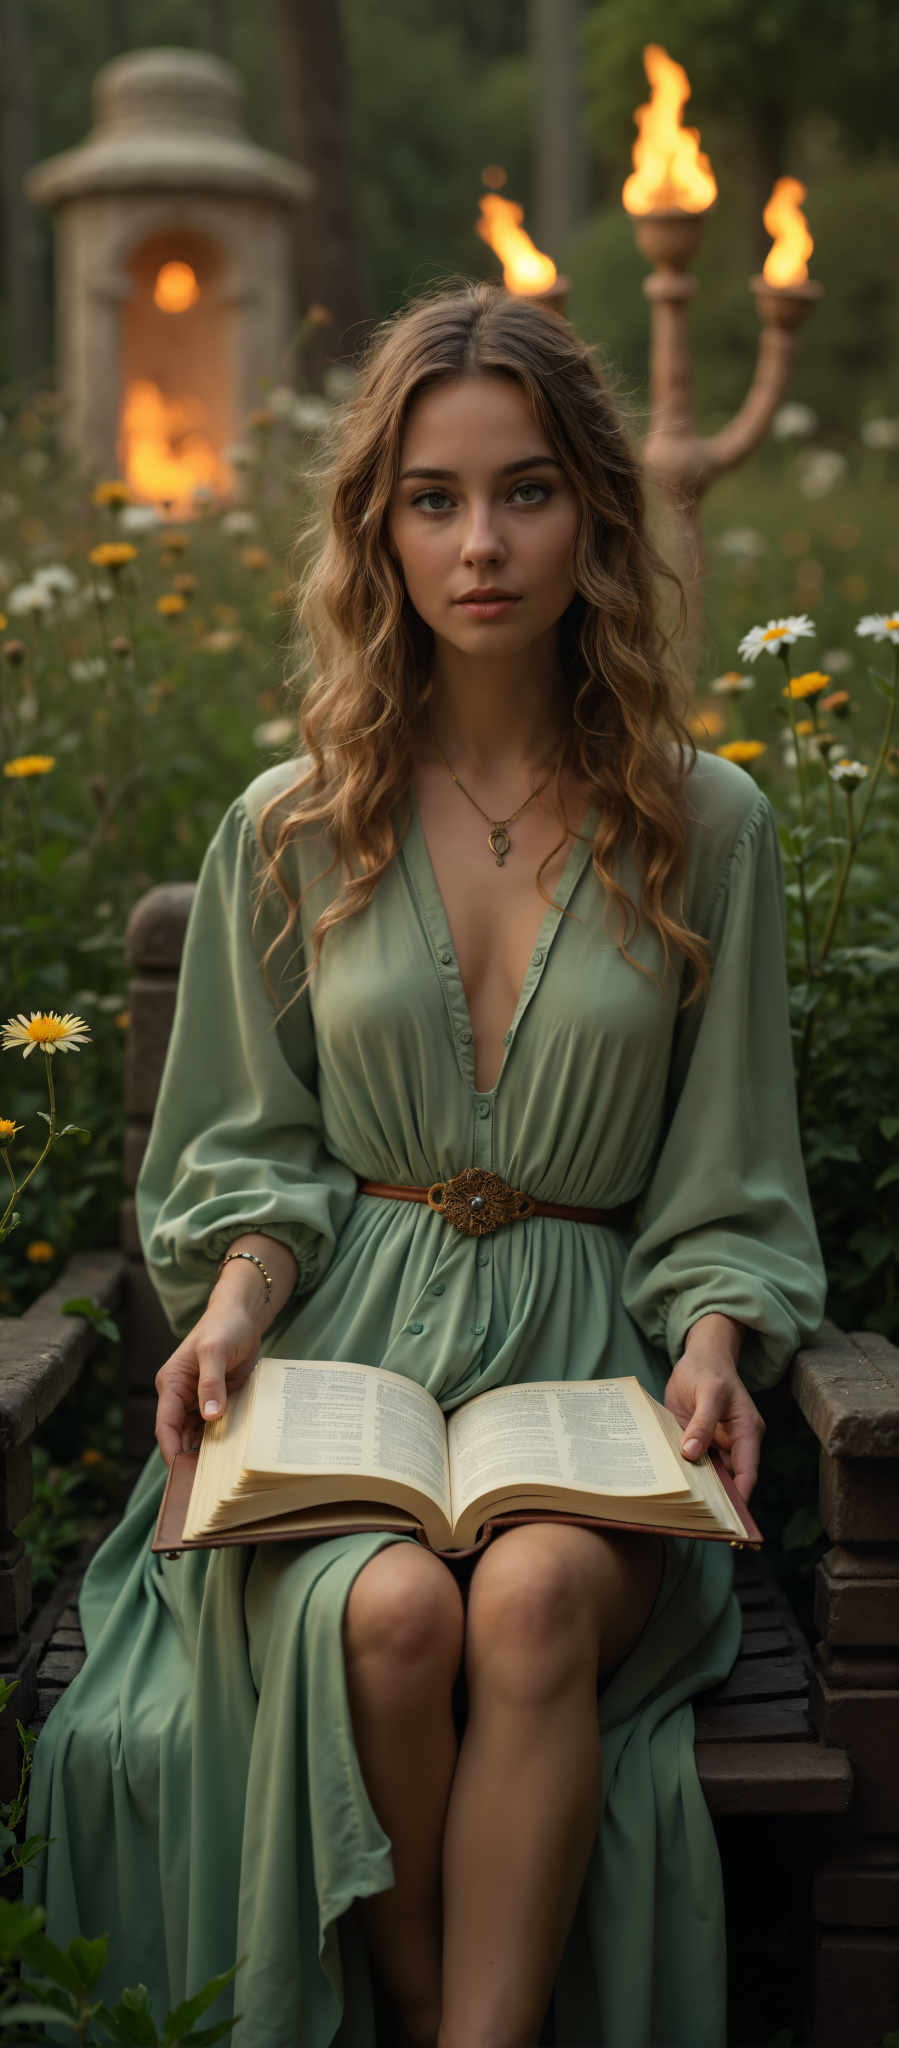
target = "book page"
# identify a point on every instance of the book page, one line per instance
(592, 1434)
(321, 1417)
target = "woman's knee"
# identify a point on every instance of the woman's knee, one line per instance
(404, 1614)
(532, 1613)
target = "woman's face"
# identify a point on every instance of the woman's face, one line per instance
(481, 503)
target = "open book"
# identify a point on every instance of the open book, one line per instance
(307, 1448)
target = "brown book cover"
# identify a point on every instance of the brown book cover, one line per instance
(323, 1521)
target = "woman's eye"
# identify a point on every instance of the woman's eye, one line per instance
(542, 489)
(422, 500)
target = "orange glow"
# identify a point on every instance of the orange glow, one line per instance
(176, 288)
(785, 263)
(670, 169)
(165, 453)
(524, 269)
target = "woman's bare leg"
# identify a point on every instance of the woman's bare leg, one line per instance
(549, 1609)
(403, 1632)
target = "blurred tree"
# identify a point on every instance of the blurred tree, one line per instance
(315, 110)
(25, 295)
(118, 27)
(561, 166)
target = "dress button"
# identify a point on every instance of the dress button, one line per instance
(483, 1258)
(439, 1287)
(445, 957)
(465, 1038)
(483, 1109)
(415, 1329)
(508, 1037)
(540, 956)
(480, 1329)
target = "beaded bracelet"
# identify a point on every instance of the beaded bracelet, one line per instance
(256, 1262)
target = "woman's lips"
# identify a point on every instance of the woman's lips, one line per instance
(486, 607)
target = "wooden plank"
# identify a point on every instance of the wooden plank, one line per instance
(848, 1390)
(767, 1678)
(753, 1721)
(765, 1642)
(776, 1777)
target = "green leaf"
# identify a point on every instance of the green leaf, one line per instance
(18, 1923)
(207, 2035)
(183, 2016)
(73, 1131)
(887, 689)
(93, 1312)
(889, 1126)
(16, 2016)
(886, 1179)
(42, 1954)
(89, 1958)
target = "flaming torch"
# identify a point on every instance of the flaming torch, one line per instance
(525, 270)
(669, 193)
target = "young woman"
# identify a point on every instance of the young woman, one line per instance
(500, 917)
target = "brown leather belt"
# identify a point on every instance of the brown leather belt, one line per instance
(478, 1202)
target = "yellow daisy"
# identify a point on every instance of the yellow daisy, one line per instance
(30, 764)
(7, 1129)
(809, 685)
(741, 750)
(39, 1252)
(112, 554)
(112, 492)
(171, 603)
(45, 1029)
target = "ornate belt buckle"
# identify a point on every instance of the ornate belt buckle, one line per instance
(478, 1202)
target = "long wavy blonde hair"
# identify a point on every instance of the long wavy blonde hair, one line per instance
(368, 652)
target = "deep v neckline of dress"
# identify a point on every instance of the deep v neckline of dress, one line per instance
(426, 891)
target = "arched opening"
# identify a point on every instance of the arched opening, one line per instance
(177, 404)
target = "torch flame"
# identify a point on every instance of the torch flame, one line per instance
(785, 263)
(164, 450)
(524, 269)
(176, 288)
(670, 169)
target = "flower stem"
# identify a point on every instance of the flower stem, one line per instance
(48, 1069)
(885, 745)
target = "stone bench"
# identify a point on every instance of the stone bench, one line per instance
(807, 1735)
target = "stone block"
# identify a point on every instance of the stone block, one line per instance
(859, 1498)
(848, 1390)
(150, 1340)
(864, 1721)
(856, 1988)
(136, 1135)
(15, 1586)
(860, 1889)
(16, 1485)
(155, 931)
(857, 1597)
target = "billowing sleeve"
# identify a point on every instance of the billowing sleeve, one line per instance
(236, 1143)
(725, 1223)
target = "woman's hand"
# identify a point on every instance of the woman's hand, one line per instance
(213, 1360)
(708, 1399)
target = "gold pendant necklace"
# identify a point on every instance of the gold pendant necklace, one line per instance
(498, 837)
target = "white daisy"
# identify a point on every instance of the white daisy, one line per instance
(743, 542)
(275, 732)
(29, 597)
(793, 421)
(874, 626)
(777, 634)
(45, 1028)
(311, 415)
(138, 519)
(880, 433)
(731, 684)
(239, 520)
(89, 670)
(820, 469)
(240, 455)
(849, 774)
(281, 401)
(57, 579)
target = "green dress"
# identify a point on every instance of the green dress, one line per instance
(199, 1778)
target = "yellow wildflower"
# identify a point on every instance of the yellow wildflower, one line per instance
(174, 543)
(46, 1029)
(319, 316)
(741, 750)
(809, 685)
(39, 1252)
(837, 704)
(706, 722)
(122, 1020)
(255, 558)
(185, 583)
(113, 492)
(30, 764)
(2, 622)
(8, 1129)
(112, 554)
(804, 727)
(91, 1457)
(171, 603)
